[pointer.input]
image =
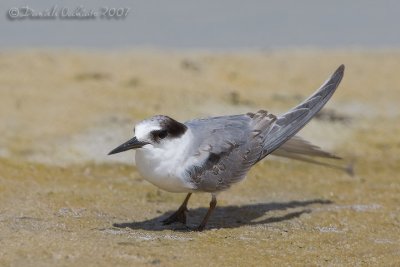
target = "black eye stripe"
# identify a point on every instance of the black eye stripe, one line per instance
(162, 134)
(169, 128)
(174, 128)
(156, 135)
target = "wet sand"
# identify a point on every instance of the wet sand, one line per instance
(64, 202)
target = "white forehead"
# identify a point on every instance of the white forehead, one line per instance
(143, 128)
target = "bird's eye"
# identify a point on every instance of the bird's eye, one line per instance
(157, 135)
(162, 134)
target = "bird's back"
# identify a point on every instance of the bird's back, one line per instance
(226, 147)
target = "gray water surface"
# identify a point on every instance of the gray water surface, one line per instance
(224, 24)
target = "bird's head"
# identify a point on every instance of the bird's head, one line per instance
(156, 131)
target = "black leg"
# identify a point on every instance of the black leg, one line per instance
(213, 203)
(180, 214)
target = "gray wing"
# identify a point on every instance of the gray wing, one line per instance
(225, 149)
(292, 121)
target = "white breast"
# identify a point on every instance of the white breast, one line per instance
(164, 166)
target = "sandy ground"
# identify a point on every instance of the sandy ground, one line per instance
(63, 202)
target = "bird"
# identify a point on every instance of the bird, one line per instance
(211, 154)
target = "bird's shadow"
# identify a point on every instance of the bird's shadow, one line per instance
(228, 216)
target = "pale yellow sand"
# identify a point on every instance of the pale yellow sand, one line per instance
(61, 111)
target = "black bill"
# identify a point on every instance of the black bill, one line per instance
(131, 144)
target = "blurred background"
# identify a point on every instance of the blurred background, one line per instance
(212, 25)
(71, 89)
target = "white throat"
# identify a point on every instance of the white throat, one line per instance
(163, 166)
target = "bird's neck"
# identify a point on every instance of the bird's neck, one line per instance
(174, 150)
(160, 165)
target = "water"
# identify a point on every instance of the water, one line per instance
(224, 24)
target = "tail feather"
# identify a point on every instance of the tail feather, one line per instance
(298, 146)
(349, 168)
(299, 149)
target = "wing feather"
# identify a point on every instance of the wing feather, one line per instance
(224, 148)
(228, 147)
(288, 124)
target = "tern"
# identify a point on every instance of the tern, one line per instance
(211, 154)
